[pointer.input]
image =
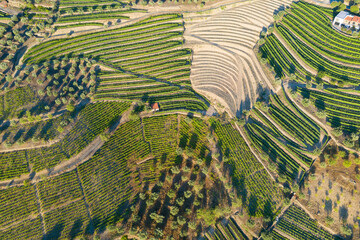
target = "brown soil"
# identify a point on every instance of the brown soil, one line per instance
(334, 191)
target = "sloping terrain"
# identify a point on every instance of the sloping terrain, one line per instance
(224, 64)
(113, 125)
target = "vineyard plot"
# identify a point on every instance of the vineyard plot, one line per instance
(67, 221)
(248, 171)
(59, 190)
(121, 86)
(17, 203)
(151, 47)
(106, 176)
(297, 223)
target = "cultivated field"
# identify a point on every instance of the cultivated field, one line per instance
(178, 120)
(319, 69)
(225, 66)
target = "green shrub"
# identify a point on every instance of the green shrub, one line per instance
(347, 163)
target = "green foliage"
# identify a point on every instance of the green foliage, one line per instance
(295, 187)
(329, 220)
(188, 194)
(323, 164)
(250, 223)
(267, 235)
(174, 210)
(332, 161)
(175, 170)
(192, 225)
(70, 107)
(348, 143)
(181, 220)
(104, 136)
(346, 230)
(337, 132)
(157, 218)
(180, 201)
(335, 4)
(347, 163)
(354, 9)
(305, 227)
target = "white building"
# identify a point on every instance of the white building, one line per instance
(340, 18)
(347, 20)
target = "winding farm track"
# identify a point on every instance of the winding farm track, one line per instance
(70, 164)
(224, 61)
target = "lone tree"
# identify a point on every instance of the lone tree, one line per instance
(354, 9)
(156, 217)
(70, 107)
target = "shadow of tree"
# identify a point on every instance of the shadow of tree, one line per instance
(55, 232)
(328, 206)
(76, 228)
(253, 205)
(343, 213)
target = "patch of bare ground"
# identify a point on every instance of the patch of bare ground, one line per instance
(224, 61)
(331, 191)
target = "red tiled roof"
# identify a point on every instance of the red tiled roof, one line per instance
(356, 19)
(155, 106)
(349, 18)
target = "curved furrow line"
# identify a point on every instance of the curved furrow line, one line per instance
(225, 81)
(230, 68)
(219, 67)
(236, 32)
(246, 34)
(222, 58)
(205, 81)
(217, 90)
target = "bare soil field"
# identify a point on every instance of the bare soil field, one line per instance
(332, 194)
(224, 61)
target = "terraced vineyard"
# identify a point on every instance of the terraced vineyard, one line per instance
(19, 213)
(184, 120)
(248, 170)
(106, 176)
(92, 121)
(297, 224)
(316, 43)
(82, 14)
(163, 58)
(153, 65)
(125, 87)
(225, 67)
(341, 108)
(13, 101)
(158, 131)
(313, 52)
(286, 135)
(283, 62)
(193, 136)
(228, 231)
